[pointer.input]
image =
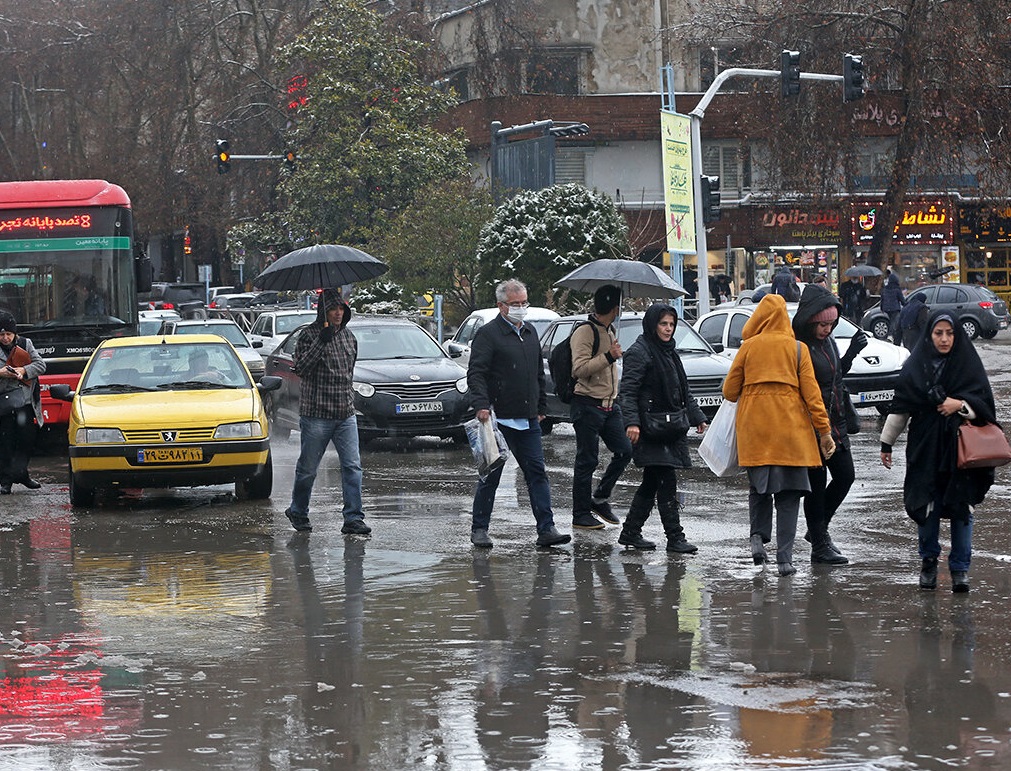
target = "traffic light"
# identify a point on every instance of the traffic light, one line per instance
(853, 78)
(221, 147)
(789, 72)
(289, 160)
(710, 198)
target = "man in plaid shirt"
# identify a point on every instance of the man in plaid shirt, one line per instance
(325, 360)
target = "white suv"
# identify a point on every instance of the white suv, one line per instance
(271, 327)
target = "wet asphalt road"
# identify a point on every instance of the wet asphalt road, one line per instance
(184, 630)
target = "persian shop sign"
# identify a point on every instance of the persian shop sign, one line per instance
(800, 226)
(919, 223)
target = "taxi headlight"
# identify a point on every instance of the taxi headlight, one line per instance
(98, 436)
(364, 389)
(246, 430)
(461, 385)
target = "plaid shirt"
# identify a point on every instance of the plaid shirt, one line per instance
(327, 371)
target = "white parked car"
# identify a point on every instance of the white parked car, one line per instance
(871, 380)
(271, 327)
(225, 328)
(150, 321)
(459, 345)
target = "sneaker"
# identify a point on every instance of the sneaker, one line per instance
(587, 522)
(355, 527)
(298, 522)
(479, 537)
(551, 537)
(681, 546)
(603, 510)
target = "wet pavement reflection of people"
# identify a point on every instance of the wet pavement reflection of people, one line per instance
(334, 704)
(951, 712)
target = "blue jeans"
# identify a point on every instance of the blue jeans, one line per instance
(592, 425)
(961, 539)
(529, 453)
(317, 433)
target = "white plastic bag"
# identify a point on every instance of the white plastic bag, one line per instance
(718, 447)
(488, 445)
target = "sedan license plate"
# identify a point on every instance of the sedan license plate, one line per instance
(1002, 324)
(405, 407)
(171, 455)
(876, 396)
(709, 401)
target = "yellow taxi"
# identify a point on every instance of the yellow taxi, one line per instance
(167, 411)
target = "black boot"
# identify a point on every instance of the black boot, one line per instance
(959, 581)
(635, 541)
(928, 573)
(758, 552)
(670, 517)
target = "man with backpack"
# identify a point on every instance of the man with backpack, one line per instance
(595, 415)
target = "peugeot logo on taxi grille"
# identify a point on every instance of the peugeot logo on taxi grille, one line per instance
(169, 436)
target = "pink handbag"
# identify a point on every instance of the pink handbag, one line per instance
(982, 446)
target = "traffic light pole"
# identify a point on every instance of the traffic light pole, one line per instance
(696, 115)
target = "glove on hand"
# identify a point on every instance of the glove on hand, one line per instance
(827, 446)
(858, 343)
(327, 335)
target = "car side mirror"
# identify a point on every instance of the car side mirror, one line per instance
(61, 392)
(718, 347)
(258, 344)
(268, 383)
(455, 350)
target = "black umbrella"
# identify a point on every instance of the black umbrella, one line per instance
(320, 267)
(634, 278)
(863, 270)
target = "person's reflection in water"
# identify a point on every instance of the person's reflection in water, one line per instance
(513, 705)
(946, 703)
(833, 653)
(660, 643)
(335, 709)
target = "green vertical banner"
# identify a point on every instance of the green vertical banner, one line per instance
(678, 181)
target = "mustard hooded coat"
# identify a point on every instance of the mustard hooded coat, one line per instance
(779, 408)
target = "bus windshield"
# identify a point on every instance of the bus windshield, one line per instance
(67, 267)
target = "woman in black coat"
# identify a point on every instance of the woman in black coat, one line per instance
(653, 381)
(942, 383)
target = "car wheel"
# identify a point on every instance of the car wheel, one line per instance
(547, 426)
(80, 495)
(277, 431)
(990, 334)
(971, 328)
(880, 328)
(258, 486)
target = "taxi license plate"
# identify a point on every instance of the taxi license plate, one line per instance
(709, 401)
(405, 407)
(171, 455)
(876, 396)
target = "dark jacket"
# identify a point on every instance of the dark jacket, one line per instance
(829, 366)
(853, 295)
(926, 379)
(913, 320)
(892, 298)
(783, 283)
(643, 390)
(506, 371)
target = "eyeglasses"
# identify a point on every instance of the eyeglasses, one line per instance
(518, 305)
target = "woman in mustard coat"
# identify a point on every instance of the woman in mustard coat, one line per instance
(782, 426)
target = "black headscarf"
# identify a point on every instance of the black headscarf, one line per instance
(664, 354)
(8, 324)
(927, 378)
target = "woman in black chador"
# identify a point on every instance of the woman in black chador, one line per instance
(942, 383)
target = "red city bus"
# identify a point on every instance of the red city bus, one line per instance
(68, 273)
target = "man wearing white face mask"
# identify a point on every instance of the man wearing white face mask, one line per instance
(506, 373)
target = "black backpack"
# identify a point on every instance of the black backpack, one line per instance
(560, 363)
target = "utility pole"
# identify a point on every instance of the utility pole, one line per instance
(696, 116)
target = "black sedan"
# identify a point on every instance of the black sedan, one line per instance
(405, 384)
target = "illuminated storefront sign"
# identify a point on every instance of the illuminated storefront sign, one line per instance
(797, 226)
(919, 223)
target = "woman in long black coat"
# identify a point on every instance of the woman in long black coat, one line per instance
(653, 380)
(942, 383)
